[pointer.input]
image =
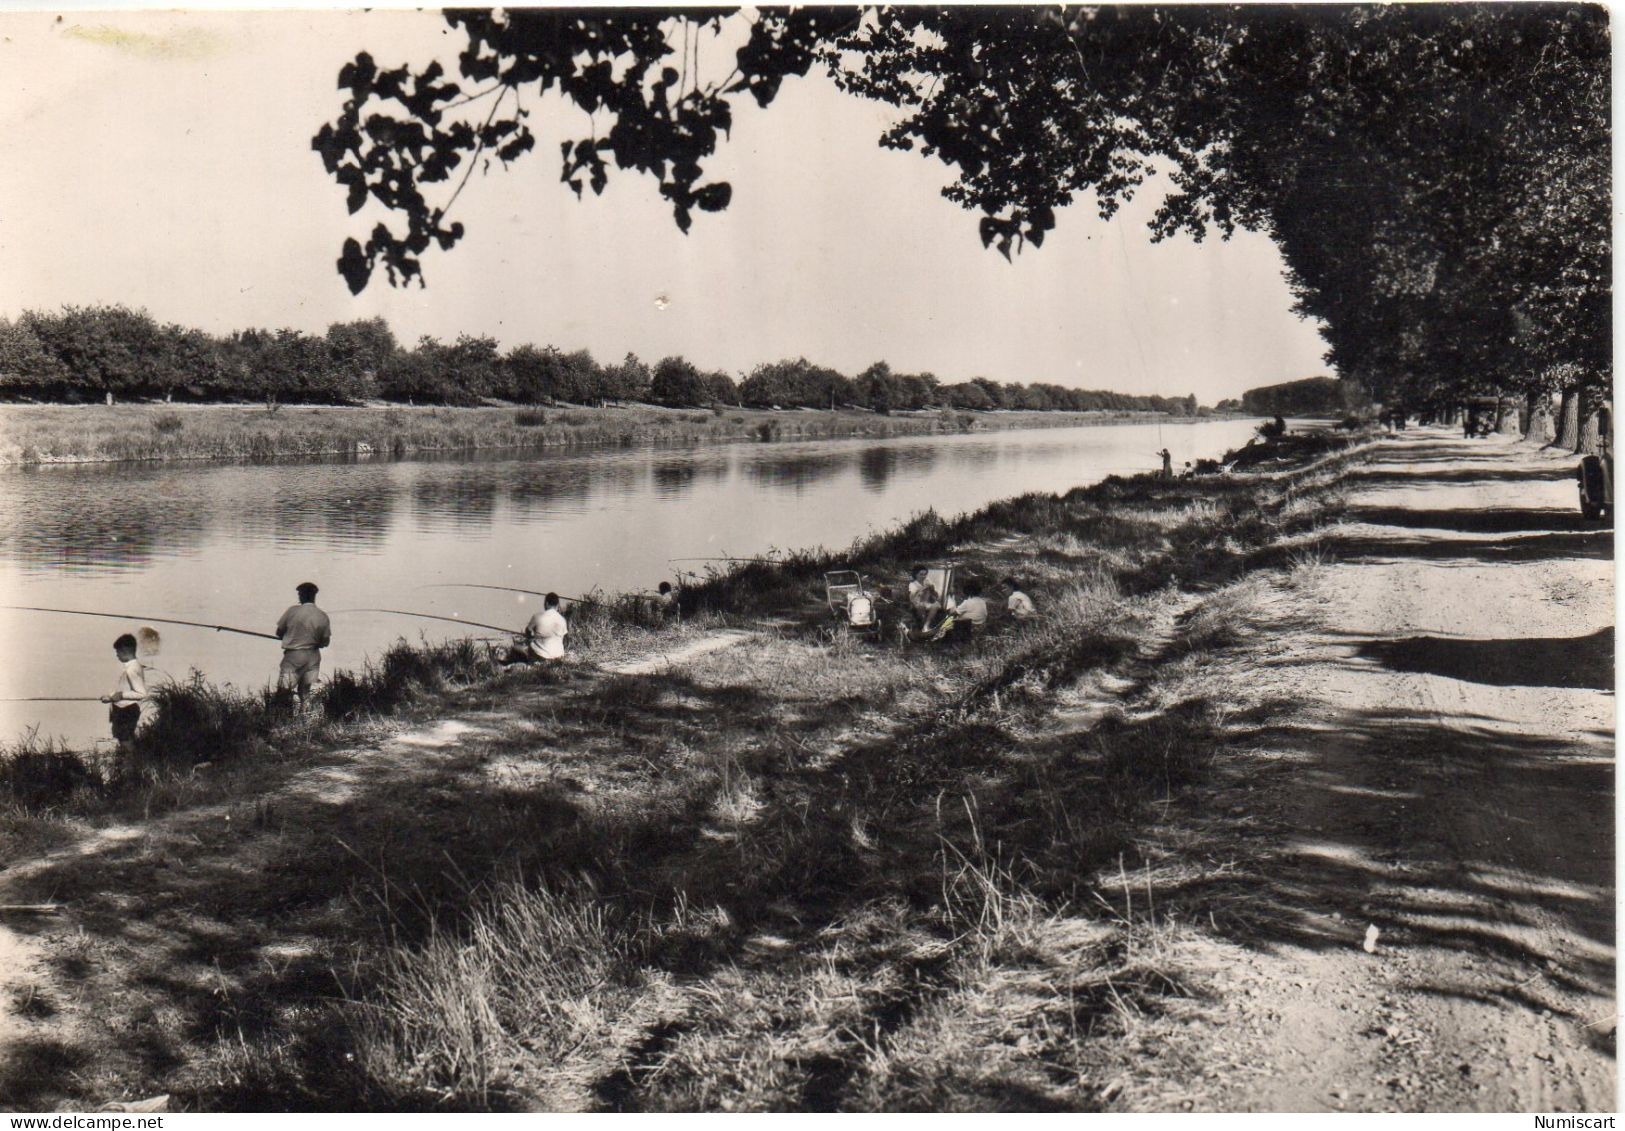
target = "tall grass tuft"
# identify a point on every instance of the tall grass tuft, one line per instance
(194, 721)
(992, 914)
(40, 775)
(402, 673)
(533, 973)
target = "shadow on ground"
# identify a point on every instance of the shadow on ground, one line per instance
(1553, 661)
(1419, 844)
(1496, 521)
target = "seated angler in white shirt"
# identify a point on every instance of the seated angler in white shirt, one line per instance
(543, 638)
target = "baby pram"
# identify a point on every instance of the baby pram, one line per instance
(850, 601)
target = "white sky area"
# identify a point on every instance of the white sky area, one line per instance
(163, 160)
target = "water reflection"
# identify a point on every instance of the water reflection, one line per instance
(673, 478)
(540, 488)
(362, 518)
(975, 457)
(876, 466)
(97, 525)
(461, 499)
(799, 471)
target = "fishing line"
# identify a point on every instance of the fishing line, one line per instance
(764, 561)
(510, 589)
(433, 616)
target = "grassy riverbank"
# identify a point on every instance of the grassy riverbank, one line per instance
(803, 871)
(32, 434)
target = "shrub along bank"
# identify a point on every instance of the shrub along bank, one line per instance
(31, 434)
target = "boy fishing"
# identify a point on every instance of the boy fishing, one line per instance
(124, 710)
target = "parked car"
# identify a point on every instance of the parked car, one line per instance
(1596, 476)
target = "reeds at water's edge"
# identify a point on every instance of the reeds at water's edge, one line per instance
(42, 434)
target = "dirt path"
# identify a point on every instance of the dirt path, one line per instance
(1437, 775)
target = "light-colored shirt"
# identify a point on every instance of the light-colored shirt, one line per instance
(132, 686)
(922, 595)
(1020, 605)
(304, 626)
(973, 609)
(547, 630)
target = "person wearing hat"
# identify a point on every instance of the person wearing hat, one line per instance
(304, 631)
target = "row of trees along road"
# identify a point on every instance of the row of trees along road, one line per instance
(82, 353)
(1435, 176)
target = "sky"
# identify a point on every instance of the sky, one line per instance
(162, 160)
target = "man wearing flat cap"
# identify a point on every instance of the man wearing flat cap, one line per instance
(304, 631)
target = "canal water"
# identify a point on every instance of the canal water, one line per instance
(227, 544)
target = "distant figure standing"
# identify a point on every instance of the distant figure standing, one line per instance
(1280, 426)
(544, 635)
(304, 631)
(1018, 604)
(1167, 463)
(124, 710)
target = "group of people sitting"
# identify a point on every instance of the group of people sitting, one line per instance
(939, 617)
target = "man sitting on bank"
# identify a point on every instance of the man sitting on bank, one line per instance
(544, 636)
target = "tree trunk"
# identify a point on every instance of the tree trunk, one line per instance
(1592, 413)
(1568, 420)
(1537, 412)
(1506, 420)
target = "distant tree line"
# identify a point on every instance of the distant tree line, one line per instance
(1312, 396)
(87, 353)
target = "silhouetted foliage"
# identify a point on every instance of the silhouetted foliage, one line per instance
(1435, 176)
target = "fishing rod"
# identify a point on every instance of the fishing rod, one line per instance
(132, 616)
(764, 561)
(511, 589)
(434, 616)
(55, 699)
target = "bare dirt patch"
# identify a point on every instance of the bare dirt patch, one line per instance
(1430, 769)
